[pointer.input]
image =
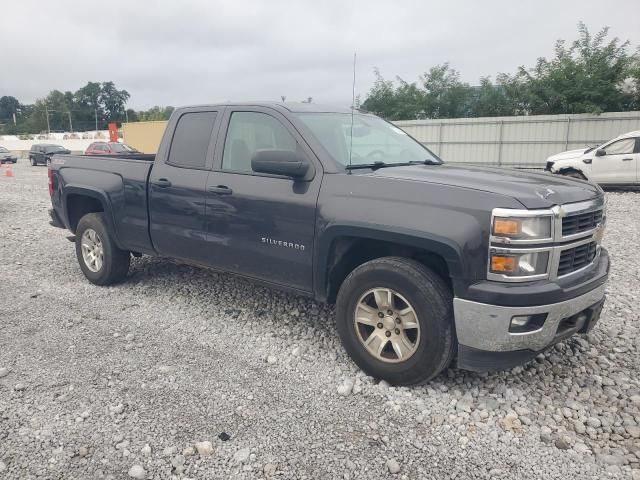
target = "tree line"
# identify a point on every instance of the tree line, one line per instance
(91, 107)
(593, 74)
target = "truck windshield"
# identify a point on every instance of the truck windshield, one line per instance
(375, 142)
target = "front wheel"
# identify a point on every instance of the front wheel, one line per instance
(395, 319)
(33, 161)
(101, 261)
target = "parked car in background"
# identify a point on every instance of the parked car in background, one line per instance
(110, 148)
(615, 162)
(41, 153)
(6, 156)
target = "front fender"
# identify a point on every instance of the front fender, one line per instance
(441, 246)
(563, 167)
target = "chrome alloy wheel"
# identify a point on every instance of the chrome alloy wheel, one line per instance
(92, 251)
(387, 325)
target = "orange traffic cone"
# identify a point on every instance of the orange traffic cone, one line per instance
(7, 170)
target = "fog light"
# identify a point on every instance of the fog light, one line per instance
(527, 323)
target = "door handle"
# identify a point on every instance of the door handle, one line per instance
(220, 190)
(627, 159)
(162, 183)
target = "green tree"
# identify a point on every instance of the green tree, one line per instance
(155, 113)
(113, 101)
(592, 75)
(445, 95)
(8, 107)
(381, 99)
(491, 100)
(88, 105)
(588, 76)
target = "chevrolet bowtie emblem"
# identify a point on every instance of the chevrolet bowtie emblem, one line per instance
(546, 193)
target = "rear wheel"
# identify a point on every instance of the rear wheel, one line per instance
(101, 261)
(394, 317)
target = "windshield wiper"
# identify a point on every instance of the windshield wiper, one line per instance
(377, 165)
(372, 166)
(426, 161)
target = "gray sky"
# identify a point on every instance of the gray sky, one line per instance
(185, 52)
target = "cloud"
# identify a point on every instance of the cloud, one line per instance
(201, 51)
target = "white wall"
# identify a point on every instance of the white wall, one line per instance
(517, 141)
(22, 147)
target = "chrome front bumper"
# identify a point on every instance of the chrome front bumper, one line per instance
(485, 327)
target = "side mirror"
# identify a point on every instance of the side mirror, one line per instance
(600, 153)
(280, 162)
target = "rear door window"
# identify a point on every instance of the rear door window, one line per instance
(191, 140)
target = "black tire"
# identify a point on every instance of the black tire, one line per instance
(115, 264)
(575, 174)
(33, 161)
(430, 298)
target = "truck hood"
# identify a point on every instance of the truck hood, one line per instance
(569, 154)
(533, 190)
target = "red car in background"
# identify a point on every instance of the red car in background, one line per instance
(110, 148)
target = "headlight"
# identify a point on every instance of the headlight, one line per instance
(522, 228)
(519, 264)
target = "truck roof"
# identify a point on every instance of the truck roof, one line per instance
(298, 107)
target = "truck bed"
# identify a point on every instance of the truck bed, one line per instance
(119, 183)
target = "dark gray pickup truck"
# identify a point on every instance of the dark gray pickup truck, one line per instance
(426, 262)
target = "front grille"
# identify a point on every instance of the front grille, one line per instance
(581, 222)
(575, 258)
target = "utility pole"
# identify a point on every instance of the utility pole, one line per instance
(70, 124)
(96, 120)
(46, 111)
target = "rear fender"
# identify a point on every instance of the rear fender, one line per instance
(99, 195)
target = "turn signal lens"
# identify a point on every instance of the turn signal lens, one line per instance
(506, 226)
(519, 264)
(503, 264)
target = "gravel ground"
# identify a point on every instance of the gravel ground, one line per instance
(183, 373)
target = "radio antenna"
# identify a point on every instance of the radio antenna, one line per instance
(353, 107)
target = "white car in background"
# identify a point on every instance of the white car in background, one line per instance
(616, 162)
